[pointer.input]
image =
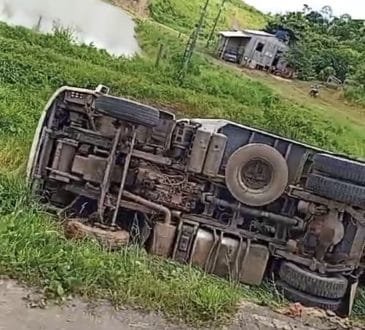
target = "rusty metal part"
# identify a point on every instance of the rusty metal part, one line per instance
(113, 240)
(151, 205)
(163, 239)
(309, 197)
(215, 155)
(323, 232)
(169, 188)
(107, 175)
(124, 177)
(331, 233)
(280, 253)
(45, 152)
(230, 229)
(152, 158)
(254, 212)
(358, 245)
(62, 176)
(221, 254)
(64, 154)
(309, 208)
(199, 150)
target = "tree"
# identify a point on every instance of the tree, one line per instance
(322, 43)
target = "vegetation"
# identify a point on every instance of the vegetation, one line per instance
(324, 45)
(33, 248)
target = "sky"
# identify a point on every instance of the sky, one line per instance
(356, 8)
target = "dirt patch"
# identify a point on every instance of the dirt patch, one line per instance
(137, 7)
(293, 317)
(281, 78)
(21, 308)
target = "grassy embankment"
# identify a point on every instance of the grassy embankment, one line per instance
(183, 15)
(32, 246)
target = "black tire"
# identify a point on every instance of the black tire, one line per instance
(346, 169)
(332, 287)
(250, 190)
(340, 191)
(307, 299)
(127, 110)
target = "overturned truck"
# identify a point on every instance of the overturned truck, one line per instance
(235, 201)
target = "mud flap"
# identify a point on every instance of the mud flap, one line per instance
(163, 239)
(350, 298)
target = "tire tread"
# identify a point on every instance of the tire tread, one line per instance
(341, 168)
(308, 300)
(127, 110)
(340, 191)
(334, 287)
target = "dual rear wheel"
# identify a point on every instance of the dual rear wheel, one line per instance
(310, 288)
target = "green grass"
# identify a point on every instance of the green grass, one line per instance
(33, 248)
(236, 96)
(183, 15)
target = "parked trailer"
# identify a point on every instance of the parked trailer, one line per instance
(233, 200)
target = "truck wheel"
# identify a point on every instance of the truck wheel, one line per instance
(340, 168)
(127, 110)
(306, 299)
(256, 174)
(340, 191)
(332, 287)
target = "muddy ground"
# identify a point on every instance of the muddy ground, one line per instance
(23, 309)
(138, 7)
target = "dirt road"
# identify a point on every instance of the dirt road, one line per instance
(19, 309)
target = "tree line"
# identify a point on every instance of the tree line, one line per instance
(323, 44)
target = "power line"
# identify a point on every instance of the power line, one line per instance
(216, 22)
(191, 44)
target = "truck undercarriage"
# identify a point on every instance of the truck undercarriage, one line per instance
(236, 202)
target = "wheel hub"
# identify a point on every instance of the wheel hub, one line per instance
(256, 174)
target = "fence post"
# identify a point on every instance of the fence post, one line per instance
(159, 55)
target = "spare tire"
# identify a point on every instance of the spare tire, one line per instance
(256, 174)
(127, 110)
(346, 169)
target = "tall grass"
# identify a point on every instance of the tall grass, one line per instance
(34, 250)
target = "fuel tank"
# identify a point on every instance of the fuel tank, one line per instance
(222, 254)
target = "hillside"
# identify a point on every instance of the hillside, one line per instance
(183, 15)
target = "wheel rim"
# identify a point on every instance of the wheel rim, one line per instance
(256, 174)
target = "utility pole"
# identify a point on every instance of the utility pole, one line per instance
(216, 22)
(39, 23)
(191, 44)
(159, 55)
